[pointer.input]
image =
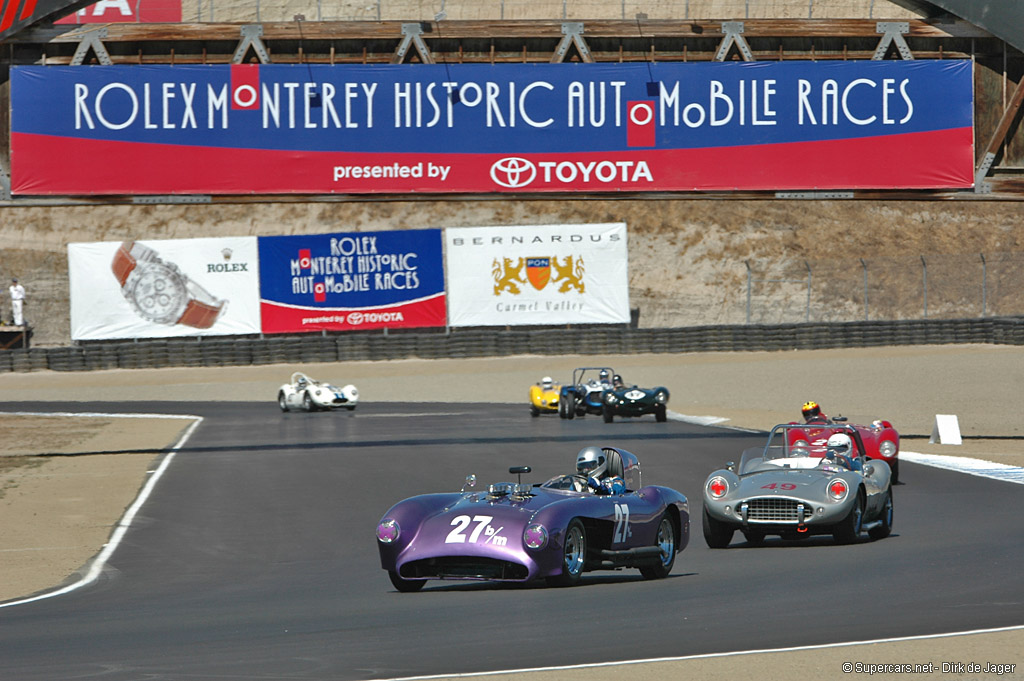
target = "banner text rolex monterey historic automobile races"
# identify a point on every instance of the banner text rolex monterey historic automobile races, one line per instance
(491, 128)
(352, 281)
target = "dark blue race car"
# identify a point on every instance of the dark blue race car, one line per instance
(599, 390)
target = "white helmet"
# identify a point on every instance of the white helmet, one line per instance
(841, 444)
(547, 382)
(591, 462)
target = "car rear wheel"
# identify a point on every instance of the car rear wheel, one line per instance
(885, 529)
(609, 415)
(405, 585)
(848, 530)
(666, 541)
(282, 401)
(574, 555)
(307, 402)
(660, 413)
(717, 534)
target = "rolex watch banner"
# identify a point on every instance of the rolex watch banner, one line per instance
(153, 289)
(537, 275)
(352, 281)
(493, 128)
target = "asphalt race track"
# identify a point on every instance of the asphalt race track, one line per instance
(255, 558)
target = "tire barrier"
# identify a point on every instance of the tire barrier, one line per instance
(464, 343)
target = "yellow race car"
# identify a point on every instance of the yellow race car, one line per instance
(544, 396)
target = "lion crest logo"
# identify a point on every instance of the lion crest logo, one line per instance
(508, 275)
(570, 273)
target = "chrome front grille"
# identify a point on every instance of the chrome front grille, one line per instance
(775, 510)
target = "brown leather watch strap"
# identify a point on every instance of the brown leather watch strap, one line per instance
(123, 263)
(200, 315)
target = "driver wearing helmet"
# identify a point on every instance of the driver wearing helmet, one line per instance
(547, 382)
(617, 381)
(839, 449)
(812, 413)
(592, 473)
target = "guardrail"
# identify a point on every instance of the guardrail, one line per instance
(212, 352)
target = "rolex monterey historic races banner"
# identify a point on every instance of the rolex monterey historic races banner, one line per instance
(343, 282)
(539, 274)
(607, 127)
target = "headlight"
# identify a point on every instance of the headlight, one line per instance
(887, 448)
(535, 537)
(837, 489)
(610, 398)
(661, 397)
(388, 531)
(717, 487)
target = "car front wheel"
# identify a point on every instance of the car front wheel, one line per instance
(609, 415)
(282, 401)
(307, 402)
(405, 585)
(885, 529)
(716, 533)
(848, 530)
(660, 414)
(574, 556)
(666, 541)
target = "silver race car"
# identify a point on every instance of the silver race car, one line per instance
(794, 489)
(308, 394)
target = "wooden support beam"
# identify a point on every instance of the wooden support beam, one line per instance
(998, 139)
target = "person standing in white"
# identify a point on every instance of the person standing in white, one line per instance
(17, 301)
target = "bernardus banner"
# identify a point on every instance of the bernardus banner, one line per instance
(155, 289)
(537, 275)
(344, 282)
(315, 128)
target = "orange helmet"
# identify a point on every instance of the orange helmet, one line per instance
(811, 409)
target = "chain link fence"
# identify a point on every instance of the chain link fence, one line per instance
(491, 10)
(885, 288)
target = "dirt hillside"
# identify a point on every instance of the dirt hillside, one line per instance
(688, 258)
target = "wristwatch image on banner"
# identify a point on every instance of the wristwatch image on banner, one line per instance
(158, 291)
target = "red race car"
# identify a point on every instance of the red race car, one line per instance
(881, 441)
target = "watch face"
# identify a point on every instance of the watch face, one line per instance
(157, 293)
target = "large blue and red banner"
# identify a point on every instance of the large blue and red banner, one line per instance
(352, 281)
(125, 11)
(361, 129)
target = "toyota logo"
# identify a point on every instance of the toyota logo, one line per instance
(513, 172)
(355, 318)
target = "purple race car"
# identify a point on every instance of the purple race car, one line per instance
(518, 532)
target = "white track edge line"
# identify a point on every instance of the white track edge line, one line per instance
(98, 563)
(706, 656)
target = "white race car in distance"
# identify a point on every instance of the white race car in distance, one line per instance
(305, 393)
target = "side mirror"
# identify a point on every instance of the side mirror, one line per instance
(470, 482)
(730, 466)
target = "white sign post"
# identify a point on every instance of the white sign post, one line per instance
(946, 430)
